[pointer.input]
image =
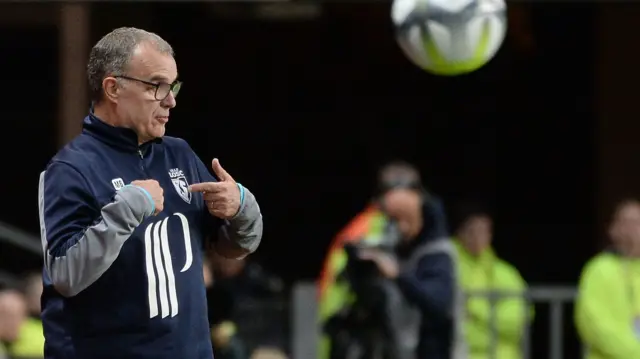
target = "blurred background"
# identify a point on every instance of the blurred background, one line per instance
(323, 97)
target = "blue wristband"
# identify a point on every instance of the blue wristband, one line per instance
(153, 204)
(241, 188)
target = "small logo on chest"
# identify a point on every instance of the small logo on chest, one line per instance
(117, 183)
(180, 183)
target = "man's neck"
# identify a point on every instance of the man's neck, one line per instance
(474, 253)
(107, 115)
(631, 252)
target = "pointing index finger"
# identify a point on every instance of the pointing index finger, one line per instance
(205, 187)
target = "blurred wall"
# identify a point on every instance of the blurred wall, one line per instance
(318, 105)
(303, 112)
(618, 126)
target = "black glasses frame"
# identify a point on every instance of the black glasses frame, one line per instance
(173, 87)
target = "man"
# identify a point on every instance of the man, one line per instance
(422, 268)
(335, 293)
(607, 311)
(480, 269)
(13, 311)
(237, 285)
(124, 212)
(227, 344)
(30, 343)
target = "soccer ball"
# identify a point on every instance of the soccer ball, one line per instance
(450, 37)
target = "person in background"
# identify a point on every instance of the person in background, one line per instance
(225, 343)
(30, 342)
(224, 339)
(236, 282)
(13, 312)
(413, 297)
(207, 273)
(607, 311)
(424, 269)
(480, 269)
(334, 291)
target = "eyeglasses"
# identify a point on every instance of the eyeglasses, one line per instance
(162, 88)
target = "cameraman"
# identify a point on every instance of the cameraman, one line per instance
(339, 316)
(422, 264)
(402, 236)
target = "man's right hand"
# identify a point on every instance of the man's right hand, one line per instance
(156, 192)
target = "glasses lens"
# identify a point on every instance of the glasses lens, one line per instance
(163, 91)
(176, 88)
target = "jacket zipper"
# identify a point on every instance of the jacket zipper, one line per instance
(144, 169)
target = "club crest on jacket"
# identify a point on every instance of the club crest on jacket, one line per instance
(180, 183)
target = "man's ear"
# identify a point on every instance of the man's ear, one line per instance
(111, 89)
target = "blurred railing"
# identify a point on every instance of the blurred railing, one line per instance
(268, 319)
(305, 333)
(555, 297)
(10, 235)
(19, 238)
(8, 279)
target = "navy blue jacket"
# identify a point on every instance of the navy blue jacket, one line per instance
(120, 282)
(431, 285)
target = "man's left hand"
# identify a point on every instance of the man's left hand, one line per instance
(223, 197)
(387, 264)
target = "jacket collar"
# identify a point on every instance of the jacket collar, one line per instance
(487, 255)
(122, 138)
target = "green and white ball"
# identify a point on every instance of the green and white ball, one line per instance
(450, 37)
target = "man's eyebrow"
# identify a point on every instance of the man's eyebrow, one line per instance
(160, 78)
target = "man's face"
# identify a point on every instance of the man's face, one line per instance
(404, 207)
(625, 229)
(13, 312)
(137, 103)
(476, 234)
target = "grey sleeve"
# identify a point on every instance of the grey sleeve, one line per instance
(78, 248)
(244, 231)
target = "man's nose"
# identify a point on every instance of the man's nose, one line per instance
(169, 101)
